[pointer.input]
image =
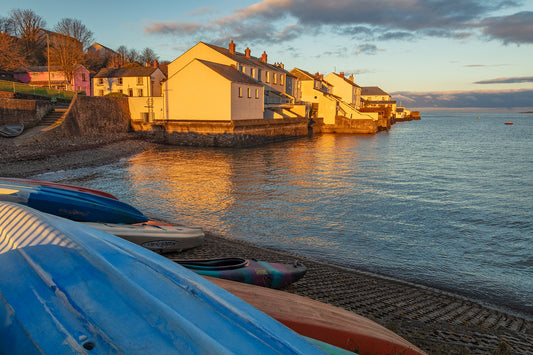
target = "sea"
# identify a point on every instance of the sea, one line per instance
(445, 202)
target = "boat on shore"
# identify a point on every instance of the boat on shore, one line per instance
(327, 323)
(69, 288)
(259, 273)
(509, 123)
(75, 205)
(158, 238)
(35, 182)
(11, 130)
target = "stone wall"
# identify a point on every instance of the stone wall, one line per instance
(241, 133)
(28, 112)
(354, 126)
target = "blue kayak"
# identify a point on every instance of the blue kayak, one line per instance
(76, 205)
(68, 288)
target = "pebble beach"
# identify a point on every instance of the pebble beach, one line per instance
(435, 321)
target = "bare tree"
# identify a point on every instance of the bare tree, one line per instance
(75, 29)
(148, 56)
(27, 26)
(67, 45)
(133, 56)
(123, 54)
(11, 53)
(6, 25)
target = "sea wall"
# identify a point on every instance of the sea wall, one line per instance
(28, 112)
(89, 116)
(353, 126)
(240, 133)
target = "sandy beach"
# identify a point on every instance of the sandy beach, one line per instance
(435, 321)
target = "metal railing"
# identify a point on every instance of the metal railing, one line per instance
(14, 87)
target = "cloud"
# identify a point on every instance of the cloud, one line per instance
(465, 99)
(275, 21)
(517, 28)
(368, 48)
(524, 79)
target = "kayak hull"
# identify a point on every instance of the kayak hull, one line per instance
(321, 321)
(68, 288)
(75, 205)
(260, 273)
(158, 238)
(35, 182)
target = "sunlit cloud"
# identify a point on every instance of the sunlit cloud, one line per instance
(517, 28)
(275, 21)
(464, 99)
(368, 48)
(525, 79)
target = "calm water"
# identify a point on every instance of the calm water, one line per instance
(445, 202)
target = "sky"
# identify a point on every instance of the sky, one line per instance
(438, 54)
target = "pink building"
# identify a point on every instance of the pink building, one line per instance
(38, 76)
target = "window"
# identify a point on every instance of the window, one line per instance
(119, 81)
(241, 68)
(259, 74)
(140, 80)
(240, 91)
(252, 73)
(100, 81)
(130, 92)
(83, 77)
(249, 93)
(267, 74)
(139, 92)
(100, 92)
(281, 79)
(275, 78)
(120, 91)
(256, 93)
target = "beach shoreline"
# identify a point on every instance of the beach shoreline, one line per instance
(435, 321)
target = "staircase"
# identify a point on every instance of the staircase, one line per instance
(53, 116)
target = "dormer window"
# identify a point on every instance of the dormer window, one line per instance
(275, 78)
(252, 73)
(267, 74)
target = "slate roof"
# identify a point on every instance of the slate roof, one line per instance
(125, 72)
(372, 90)
(230, 73)
(302, 74)
(43, 69)
(347, 80)
(241, 58)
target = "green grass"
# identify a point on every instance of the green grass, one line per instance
(35, 90)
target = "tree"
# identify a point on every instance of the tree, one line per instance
(148, 56)
(27, 26)
(132, 56)
(123, 54)
(11, 53)
(6, 25)
(67, 45)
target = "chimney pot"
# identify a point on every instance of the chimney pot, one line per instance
(342, 74)
(247, 52)
(156, 64)
(264, 57)
(351, 78)
(232, 47)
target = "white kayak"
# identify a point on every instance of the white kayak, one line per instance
(158, 238)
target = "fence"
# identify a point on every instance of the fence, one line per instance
(20, 88)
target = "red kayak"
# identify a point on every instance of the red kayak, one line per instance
(35, 182)
(327, 323)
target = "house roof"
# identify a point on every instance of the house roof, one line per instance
(125, 72)
(302, 74)
(346, 80)
(230, 73)
(372, 90)
(44, 69)
(241, 58)
(95, 46)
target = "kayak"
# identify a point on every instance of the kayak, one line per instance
(158, 238)
(321, 321)
(260, 273)
(11, 130)
(68, 288)
(75, 205)
(34, 182)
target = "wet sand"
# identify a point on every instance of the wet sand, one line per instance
(435, 321)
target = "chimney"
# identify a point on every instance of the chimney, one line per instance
(351, 78)
(281, 65)
(156, 64)
(342, 74)
(147, 64)
(232, 47)
(247, 52)
(264, 57)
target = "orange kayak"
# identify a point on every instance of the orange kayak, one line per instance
(327, 323)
